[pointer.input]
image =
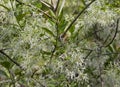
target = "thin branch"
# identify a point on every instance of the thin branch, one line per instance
(106, 39)
(19, 2)
(37, 10)
(80, 13)
(53, 51)
(116, 30)
(55, 9)
(46, 14)
(33, 73)
(55, 46)
(47, 4)
(87, 49)
(11, 59)
(88, 54)
(4, 49)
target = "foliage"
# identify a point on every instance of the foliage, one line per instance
(47, 43)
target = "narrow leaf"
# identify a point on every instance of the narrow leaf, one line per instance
(46, 4)
(48, 31)
(61, 7)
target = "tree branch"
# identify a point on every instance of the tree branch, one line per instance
(1, 51)
(80, 13)
(88, 54)
(116, 30)
(55, 9)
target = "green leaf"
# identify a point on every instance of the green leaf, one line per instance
(52, 13)
(63, 23)
(37, 4)
(46, 4)
(61, 7)
(110, 47)
(5, 64)
(20, 17)
(48, 31)
(5, 7)
(72, 29)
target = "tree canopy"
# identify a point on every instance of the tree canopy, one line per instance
(59, 43)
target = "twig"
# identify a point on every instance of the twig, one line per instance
(116, 30)
(80, 13)
(47, 4)
(55, 9)
(37, 10)
(33, 73)
(45, 14)
(11, 59)
(55, 46)
(88, 54)
(106, 39)
(52, 54)
(19, 2)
